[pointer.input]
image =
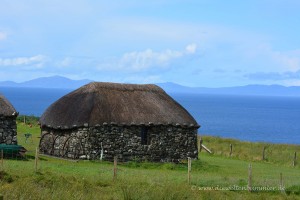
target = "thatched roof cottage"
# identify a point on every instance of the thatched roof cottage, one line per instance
(126, 120)
(8, 126)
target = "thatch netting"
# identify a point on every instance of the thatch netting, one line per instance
(6, 108)
(98, 103)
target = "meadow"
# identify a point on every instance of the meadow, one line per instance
(213, 176)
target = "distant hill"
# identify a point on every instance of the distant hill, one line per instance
(48, 82)
(262, 90)
(265, 90)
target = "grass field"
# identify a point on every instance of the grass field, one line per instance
(214, 176)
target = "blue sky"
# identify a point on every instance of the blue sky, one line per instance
(211, 43)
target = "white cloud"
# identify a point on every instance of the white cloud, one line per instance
(143, 60)
(279, 61)
(288, 60)
(3, 36)
(274, 75)
(34, 61)
(291, 82)
(67, 61)
(191, 48)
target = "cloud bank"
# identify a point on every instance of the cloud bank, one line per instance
(37, 61)
(275, 76)
(148, 59)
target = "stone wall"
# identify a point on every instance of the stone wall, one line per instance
(158, 143)
(8, 130)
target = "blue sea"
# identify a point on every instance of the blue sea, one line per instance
(248, 118)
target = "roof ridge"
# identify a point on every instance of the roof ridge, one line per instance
(121, 86)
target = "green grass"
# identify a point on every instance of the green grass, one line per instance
(31, 142)
(280, 154)
(61, 179)
(28, 119)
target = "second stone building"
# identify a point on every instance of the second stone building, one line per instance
(8, 126)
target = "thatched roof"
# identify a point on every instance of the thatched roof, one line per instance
(6, 109)
(100, 103)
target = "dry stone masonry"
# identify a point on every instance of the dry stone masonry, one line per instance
(8, 130)
(162, 143)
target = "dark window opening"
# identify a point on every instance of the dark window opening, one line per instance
(145, 140)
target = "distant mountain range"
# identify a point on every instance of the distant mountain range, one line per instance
(48, 82)
(261, 90)
(265, 90)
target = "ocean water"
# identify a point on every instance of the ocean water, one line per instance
(248, 118)
(32, 101)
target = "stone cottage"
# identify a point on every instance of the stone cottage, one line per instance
(133, 122)
(8, 126)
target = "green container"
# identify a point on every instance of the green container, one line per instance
(12, 149)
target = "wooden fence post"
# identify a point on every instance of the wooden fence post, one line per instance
(101, 152)
(263, 153)
(230, 150)
(115, 167)
(250, 178)
(294, 160)
(281, 184)
(36, 159)
(189, 169)
(200, 144)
